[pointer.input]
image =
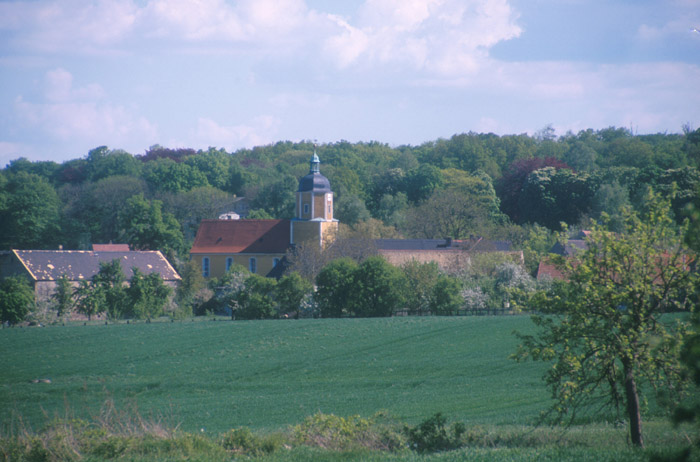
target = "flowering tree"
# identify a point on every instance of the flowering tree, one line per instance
(602, 328)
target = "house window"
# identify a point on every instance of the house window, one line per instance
(253, 265)
(205, 267)
(229, 263)
(275, 261)
(306, 209)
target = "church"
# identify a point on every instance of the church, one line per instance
(260, 245)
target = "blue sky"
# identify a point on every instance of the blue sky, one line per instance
(76, 74)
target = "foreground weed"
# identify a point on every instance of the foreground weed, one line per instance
(328, 431)
(244, 441)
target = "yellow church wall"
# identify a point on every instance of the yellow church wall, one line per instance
(305, 231)
(319, 206)
(304, 212)
(217, 262)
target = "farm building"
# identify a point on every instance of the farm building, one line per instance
(44, 267)
(449, 254)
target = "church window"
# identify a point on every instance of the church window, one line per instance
(253, 265)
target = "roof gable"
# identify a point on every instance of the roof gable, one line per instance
(242, 236)
(78, 265)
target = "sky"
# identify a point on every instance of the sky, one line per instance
(232, 74)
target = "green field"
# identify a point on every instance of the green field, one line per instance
(267, 375)
(208, 376)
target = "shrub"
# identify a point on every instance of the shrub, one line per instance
(331, 432)
(433, 435)
(244, 441)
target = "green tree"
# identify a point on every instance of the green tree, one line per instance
(192, 290)
(89, 299)
(602, 328)
(350, 209)
(147, 294)
(335, 288)
(420, 281)
(16, 299)
(257, 299)
(290, 291)
(278, 198)
(144, 226)
(446, 297)
(112, 163)
(448, 213)
(63, 296)
(229, 287)
(29, 212)
(689, 411)
(91, 212)
(167, 175)
(421, 182)
(551, 196)
(379, 288)
(214, 164)
(109, 284)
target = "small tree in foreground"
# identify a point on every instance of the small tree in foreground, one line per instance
(16, 299)
(147, 294)
(602, 329)
(63, 296)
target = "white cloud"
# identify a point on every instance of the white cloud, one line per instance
(59, 88)
(436, 36)
(259, 131)
(68, 25)
(439, 37)
(81, 113)
(297, 100)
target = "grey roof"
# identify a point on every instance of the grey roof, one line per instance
(314, 182)
(476, 244)
(569, 249)
(79, 265)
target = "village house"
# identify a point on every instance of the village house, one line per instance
(44, 267)
(449, 254)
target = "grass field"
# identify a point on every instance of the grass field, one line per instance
(210, 376)
(265, 375)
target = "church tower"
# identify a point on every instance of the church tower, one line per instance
(313, 220)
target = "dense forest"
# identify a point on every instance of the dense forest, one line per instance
(516, 187)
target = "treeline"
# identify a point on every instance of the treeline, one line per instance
(471, 184)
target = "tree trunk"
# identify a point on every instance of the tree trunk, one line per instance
(633, 411)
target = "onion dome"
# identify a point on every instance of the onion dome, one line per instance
(314, 181)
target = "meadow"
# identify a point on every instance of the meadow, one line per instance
(209, 376)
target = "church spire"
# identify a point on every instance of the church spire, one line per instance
(314, 164)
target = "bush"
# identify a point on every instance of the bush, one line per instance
(244, 441)
(432, 435)
(335, 433)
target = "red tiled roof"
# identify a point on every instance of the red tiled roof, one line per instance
(548, 269)
(242, 236)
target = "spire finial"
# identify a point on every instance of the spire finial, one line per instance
(315, 161)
